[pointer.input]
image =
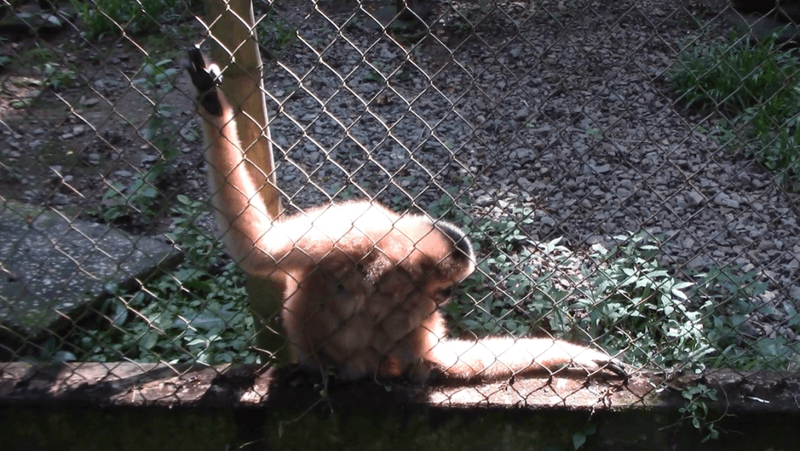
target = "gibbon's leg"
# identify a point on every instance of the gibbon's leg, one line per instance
(497, 358)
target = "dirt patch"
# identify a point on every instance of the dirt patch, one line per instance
(84, 122)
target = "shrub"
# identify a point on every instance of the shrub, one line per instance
(754, 85)
(109, 16)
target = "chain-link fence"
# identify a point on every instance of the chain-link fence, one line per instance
(627, 173)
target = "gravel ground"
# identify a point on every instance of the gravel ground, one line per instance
(563, 110)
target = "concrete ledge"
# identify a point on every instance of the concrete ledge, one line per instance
(156, 406)
(240, 386)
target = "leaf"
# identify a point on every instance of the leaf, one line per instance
(551, 245)
(64, 356)
(657, 274)
(148, 340)
(207, 321)
(630, 280)
(628, 271)
(679, 294)
(120, 314)
(578, 439)
(197, 341)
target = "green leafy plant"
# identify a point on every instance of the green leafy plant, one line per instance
(157, 79)
(376, 72)
(754, 85)
(141, 197)
(631, 293)
(624, 300)
(59, 77)
(660, 319)
(195, 313)
(36, 55)
(505, 296)
(696, 410)
(102, 17)
(579, 438)
(735, 75)
(595, 134)
(274, 32)
(732, 296)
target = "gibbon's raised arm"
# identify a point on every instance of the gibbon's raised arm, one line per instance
(254, 240)
(261, 244)
(361, 283)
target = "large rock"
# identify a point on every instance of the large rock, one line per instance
(53, 267)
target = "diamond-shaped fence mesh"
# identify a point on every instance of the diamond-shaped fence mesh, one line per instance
(627, 173)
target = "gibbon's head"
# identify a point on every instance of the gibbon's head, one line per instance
(457, 264)
(440, 254)
(462, 253)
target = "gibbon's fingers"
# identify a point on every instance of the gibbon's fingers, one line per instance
(593, 361)
(614, 366)
(590, 360)
(204, 80)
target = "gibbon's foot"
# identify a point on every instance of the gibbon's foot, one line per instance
(614, 366)
(593, 361)
(205, 81)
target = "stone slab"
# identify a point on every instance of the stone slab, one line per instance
(53, 267)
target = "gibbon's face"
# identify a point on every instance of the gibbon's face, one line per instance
(451, 270)
(434, 255)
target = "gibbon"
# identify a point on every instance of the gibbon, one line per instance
(362, 284)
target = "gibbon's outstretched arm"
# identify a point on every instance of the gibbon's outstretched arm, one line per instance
(362, 283)
(241, 212)
(253, 240)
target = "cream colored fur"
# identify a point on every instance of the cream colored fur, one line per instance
(363, 284)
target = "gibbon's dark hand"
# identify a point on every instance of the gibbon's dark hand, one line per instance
(614, 366)
(205, 81)
(593, 361)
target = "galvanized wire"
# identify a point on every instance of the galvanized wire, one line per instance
(611, 201)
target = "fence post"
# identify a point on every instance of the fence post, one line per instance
(234, 47)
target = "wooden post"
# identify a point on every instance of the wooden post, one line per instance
(234, 47)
